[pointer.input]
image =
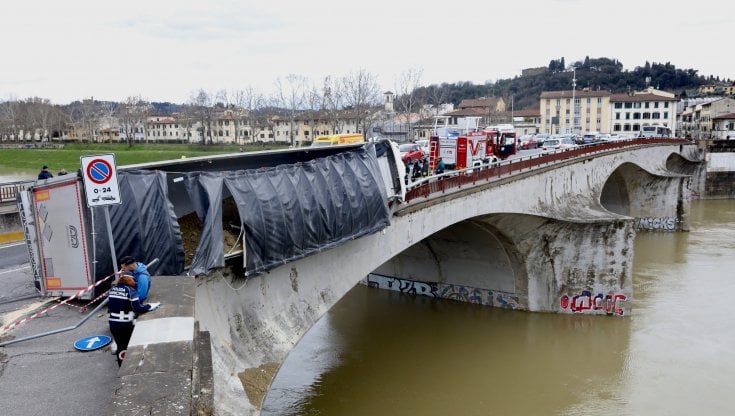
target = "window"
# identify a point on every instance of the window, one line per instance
(666, 104)
(628, 105)
(655, 105)
(616, 127)
(647, 104)
(666, 114)
(627, 116)
(599, 100)
(577, 100)
(656, 115)
(618, 105)
(646, 115)
(626, 127)
(636, 105)
(636, 116)
(636, 127)
(617, 116)
(589, 100)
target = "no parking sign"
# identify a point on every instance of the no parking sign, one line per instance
(100, 180)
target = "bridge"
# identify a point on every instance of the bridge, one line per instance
(549, 233)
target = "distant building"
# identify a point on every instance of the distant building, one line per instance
(534, 71)
(698, 120)
(590, 107)
(629, 112)
(527, 121)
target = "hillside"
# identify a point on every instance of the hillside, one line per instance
(593, 73)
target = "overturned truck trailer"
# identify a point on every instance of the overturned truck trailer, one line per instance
(281, 206)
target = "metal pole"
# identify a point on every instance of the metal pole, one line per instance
(56, 331)
(109, 236)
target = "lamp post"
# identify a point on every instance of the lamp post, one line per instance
(574, 103)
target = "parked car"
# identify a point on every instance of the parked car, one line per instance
(424, 143)
(558, 144)
(527, 141)
(410, 152)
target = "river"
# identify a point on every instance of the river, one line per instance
(384, 353)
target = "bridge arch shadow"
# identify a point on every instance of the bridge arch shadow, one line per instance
(473, 255)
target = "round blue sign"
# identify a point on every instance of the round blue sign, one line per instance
(92, 343)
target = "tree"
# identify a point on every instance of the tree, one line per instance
(361, 94)
(253, 102)
(132, 113)
(408, 83)
(291, 98)
(202, 104)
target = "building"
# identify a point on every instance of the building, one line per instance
(590, 111)
(698, 120)
(723, 127)
(527, 121)
(629, 112)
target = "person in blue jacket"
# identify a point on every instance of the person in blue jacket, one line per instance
(123, 306)
(140, 274)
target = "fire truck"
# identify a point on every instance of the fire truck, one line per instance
(468, 146)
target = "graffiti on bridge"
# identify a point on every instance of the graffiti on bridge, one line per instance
(661, 224)
(459, 293)
(585, 301)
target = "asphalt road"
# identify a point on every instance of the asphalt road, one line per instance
(48, 376)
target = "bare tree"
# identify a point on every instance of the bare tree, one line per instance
(202, 105)
(252, 102)
(132, 115)
(361, 94)
(291, 97)
(406, 86)
(334, 103)
(10, 113)
(437, 97)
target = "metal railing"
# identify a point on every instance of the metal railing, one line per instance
(471, 177)
(9, 190)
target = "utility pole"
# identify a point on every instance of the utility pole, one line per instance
(574, 102)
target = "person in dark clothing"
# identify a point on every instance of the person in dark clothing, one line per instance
(439, 167)
(44, 173)
(62, 172)
(416, 174)
(123, 307)
(425, 168)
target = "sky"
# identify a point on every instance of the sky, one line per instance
(161, 50)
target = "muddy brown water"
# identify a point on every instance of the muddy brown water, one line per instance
(385, 353)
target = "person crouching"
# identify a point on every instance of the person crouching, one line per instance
(123, 307)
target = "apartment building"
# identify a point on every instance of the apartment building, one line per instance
(629, 112)
(575, 111)
(704, 120)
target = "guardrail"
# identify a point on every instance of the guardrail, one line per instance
(470, 177)
(9, 190)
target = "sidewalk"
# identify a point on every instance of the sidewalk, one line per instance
(47, 375)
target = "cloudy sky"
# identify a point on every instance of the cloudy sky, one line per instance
(162, 50)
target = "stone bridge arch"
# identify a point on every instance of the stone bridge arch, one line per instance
(563, 251)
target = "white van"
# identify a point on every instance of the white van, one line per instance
(590, 137)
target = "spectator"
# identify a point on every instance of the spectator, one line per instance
(45, 174)
(140, 274)
(62, 172)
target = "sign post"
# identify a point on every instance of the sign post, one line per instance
(102, 189)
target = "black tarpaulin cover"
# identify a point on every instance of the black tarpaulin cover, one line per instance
(205, 191)
(143, 225)
(291, 211)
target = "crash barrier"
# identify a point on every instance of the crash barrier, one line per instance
(470, 177)
(168, 363)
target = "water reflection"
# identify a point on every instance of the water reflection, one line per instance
(380, 352)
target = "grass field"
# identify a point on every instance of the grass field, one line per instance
(68, 157)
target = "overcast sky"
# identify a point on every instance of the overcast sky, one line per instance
(66, 50)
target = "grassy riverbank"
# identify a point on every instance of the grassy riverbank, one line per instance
(68, 157)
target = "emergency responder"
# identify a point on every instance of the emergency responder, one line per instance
(123, 307)
(140, 273)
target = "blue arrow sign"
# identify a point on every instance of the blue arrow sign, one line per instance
(92, 343)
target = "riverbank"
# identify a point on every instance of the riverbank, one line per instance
(68, 157)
